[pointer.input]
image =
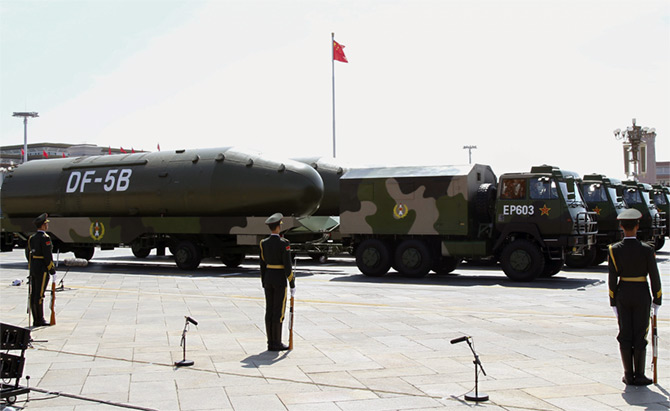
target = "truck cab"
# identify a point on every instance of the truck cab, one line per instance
(539, 217)
(661, 197)
(652, 224)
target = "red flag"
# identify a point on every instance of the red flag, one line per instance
(63, 155)
(110, 150)
(22, 153)
(158, 146)
(338, 52)
(132, 150)
(45, 154)
(123, 151)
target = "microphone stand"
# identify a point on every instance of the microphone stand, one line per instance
(478, 397)
(184, 362)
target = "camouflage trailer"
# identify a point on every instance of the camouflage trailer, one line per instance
(601, 197)
(653, 222)
(198, 203)
(661, 197)
(420, 218)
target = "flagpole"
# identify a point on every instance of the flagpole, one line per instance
(332, 63)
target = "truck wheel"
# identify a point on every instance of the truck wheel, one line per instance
(232, 260)
(522, 260)
(485, 202)
(84, 252)
(373, 258)
(552, 267)
(581, 261)
(659, 243)
(413, 259)
(140, 252)
(445, 265)
(187, 255)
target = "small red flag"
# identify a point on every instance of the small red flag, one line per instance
(110, 150)
(63, 155)
(158, 146)
(132, 150)
(123, 151)
(45, 154)
(338, 52)
(22, 153)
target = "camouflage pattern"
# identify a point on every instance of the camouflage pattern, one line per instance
(191, 183)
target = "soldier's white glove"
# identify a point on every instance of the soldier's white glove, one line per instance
(293, 292)
(616, 312)
(655, 308)
(54, 277)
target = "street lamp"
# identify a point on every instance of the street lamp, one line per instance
(25, 116)
(469, 148)
(634, 136)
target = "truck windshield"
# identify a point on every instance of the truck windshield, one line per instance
(594, 192)
(564, 189)
(632, 196)
(543, 188)
(659, 199)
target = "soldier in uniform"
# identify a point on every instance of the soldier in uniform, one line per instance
(276, 269)
(630, 261)
(40, 266)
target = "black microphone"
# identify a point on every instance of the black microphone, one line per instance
(191, 320)
(459, 339)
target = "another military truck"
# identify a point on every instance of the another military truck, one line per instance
(601, 197)
(653, 222)
(415, 219)
(661, 197)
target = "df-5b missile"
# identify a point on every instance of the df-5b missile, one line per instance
(200, 182)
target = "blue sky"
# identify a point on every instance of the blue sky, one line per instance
(528, 82)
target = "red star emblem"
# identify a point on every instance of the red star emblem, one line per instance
(597, 210)
(545, 210)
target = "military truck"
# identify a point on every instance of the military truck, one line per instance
(415, 219)
(661, 197)
(198, 203)
(653, 222)
(603, 197)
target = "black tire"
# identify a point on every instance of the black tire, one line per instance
(522, 260)
(413, 258)
(140, 252)
(659, 243)
(485, 202)
(232, 260)
(581, 261)
(552, 267)
(187, 255)
(84, 252)
(373, 257)
(445, 265)
(601, 256)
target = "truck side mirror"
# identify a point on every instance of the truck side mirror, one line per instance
(571, 187)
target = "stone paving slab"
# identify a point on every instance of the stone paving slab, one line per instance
(360, 343)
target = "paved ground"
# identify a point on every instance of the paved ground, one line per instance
(360, 343)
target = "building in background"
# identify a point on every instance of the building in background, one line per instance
(11, 156)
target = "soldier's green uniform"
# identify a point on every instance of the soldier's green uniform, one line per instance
(276, 269)
(630, 262)
(40, 266)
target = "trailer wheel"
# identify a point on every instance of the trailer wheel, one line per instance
(521, 260)
(413, 258)
(187, 255)
(581, 261)
(84, 252)
(445, 265)
(140, 252)
(373, 257)
(232, 260)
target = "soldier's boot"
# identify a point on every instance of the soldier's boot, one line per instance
(627, 360)
(639, 359)
(38, 315)
(278, 344)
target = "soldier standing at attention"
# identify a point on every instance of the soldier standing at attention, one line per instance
(276, 269)
(630, 260)
(40, 266)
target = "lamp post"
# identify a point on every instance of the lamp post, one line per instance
(634, 135)
(25, 116)
(469, 148)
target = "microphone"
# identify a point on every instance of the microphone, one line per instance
(191, 320)
(459, 339)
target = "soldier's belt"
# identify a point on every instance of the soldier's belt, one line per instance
(642, 279)
(275, 266)
(38, 256)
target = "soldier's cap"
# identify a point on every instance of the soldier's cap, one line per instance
(41, 219)
(274, 218)
(630, 214)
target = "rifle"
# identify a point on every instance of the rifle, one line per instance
(52, 321)
(654, 347)
(290, 326)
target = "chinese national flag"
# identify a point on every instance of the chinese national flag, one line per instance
(110, 150)
(45, 154)
(63, 155)
(132, 150)
(123, 151)
(338, 52)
